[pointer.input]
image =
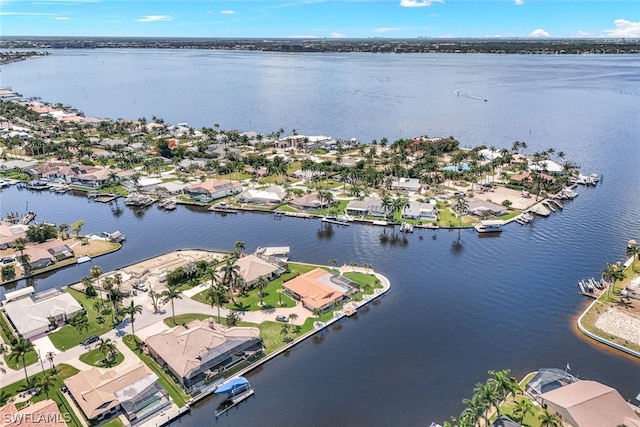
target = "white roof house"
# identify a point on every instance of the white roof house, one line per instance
(406, 184)
(271, 195)
(29, 313)
(547, 166)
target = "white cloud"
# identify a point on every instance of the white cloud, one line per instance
(154, 18)
(518, 2)
(583, 34)
(28, 14)
(418, 3)
(335, 35)
(385, 29)
(227, 12)
(539, 33)
(62, 18)
(624, 28)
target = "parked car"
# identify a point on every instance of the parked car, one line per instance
(90, 340)
(141, 287)
(281, 318)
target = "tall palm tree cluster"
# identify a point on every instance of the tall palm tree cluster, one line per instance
(486, 398)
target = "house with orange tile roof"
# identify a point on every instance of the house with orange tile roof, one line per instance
(319, 289)
(43, 413)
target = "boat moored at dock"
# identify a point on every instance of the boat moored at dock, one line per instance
(489, 226)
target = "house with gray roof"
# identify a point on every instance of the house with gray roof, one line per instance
(203, 348)
(371, 206)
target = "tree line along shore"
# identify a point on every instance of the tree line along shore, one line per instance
(376, 45)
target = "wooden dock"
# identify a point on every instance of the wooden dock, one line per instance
(234, 401)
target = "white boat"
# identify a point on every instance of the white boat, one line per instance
(489, 226)
(4, 184)
(83, 259)
(382, 223)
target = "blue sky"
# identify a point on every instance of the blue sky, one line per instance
(322, 18)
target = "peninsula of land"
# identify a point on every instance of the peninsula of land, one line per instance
(173, 327)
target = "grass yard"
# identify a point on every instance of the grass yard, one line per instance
(182, 319)
(62, 372)
(114, 422)
(271, 298)
(96, 358)
(68, 336)
(177, 393)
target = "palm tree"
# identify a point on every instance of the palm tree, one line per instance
(218, 297)
(613, 273)
(522, 408)
(293, 316)
(18, 352)
(49, 357)
(154, 299)
(238, 247)
(95, 273)
(131, 310)
(80, 322)
(19, 245)
(230, 271)
(170, 294)
(106, 347)
(46, 382)
(547, 419)
(261, 283)
(461, 205)
(504, 385)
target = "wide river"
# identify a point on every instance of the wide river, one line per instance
(454, 311)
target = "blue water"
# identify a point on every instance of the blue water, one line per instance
(455, 310)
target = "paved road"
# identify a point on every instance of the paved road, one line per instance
(149, 323)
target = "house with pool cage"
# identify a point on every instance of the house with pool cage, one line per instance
(103, 394)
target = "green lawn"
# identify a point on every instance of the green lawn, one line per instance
(271, 298)
(68, 336)
(96, 358)
(177, 393)
(8, 335)
(62, 372)
(530, 420)
(185, 318)
(114, 422)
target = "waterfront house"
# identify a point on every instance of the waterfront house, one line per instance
(547, 166)
(271, 195)
(405, 184)
(202, 348)
(47, 253)
(319, 289)
(308, 202)
(212, 189)
(479, 207)
(371, 206)
(421, 211)
(41, 413)
(133, 390)
(589, 404)
(32, 314)
(10, 232)
(527, 179)
(254, 266)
